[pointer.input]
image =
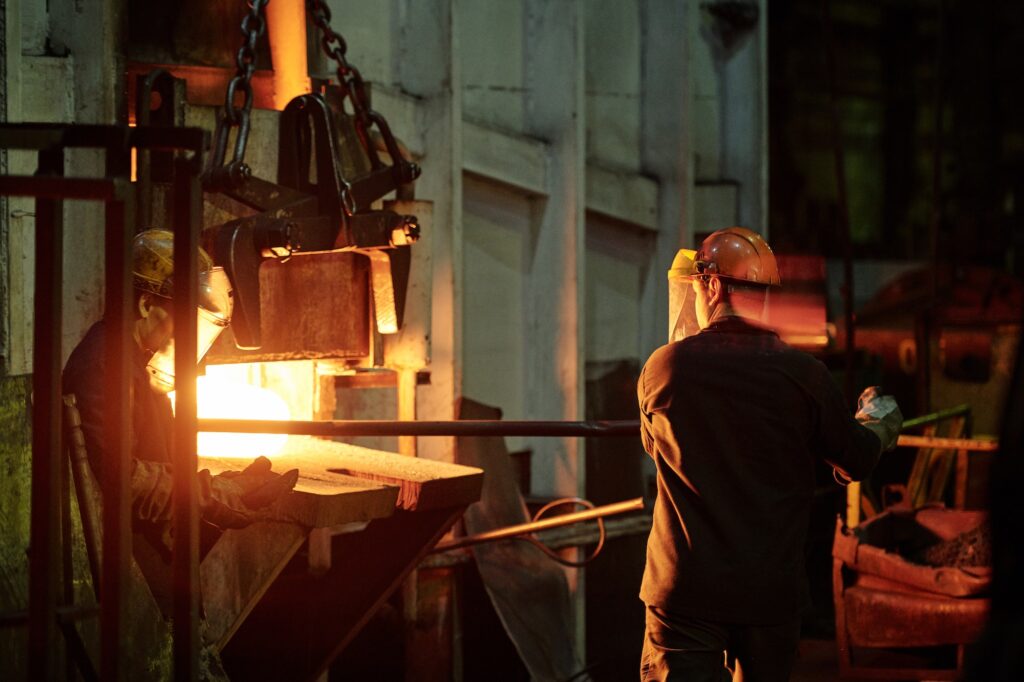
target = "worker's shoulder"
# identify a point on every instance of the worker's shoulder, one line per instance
(668, 353)
(88, 355)
(803, 367)
(674, 357)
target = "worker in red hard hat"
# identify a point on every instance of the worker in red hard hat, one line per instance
(735, 420)
(228, 500)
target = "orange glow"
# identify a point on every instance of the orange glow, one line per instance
(286, 23)
(222, 398)
(135, 155)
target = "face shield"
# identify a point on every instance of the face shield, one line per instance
(682, 308)
(212, 317)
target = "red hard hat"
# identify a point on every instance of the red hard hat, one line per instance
(740, 254)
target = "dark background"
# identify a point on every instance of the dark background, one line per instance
(901, 67)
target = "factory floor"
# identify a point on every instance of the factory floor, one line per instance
(816, 661)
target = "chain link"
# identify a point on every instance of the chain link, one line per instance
(253, 27)
(353, 88)
(349, 79)
(350, 82)
(237, 115)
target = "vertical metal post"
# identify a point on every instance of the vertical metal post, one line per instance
(117, 425)
(67, 571)
(407, 408)
(853, 504)
(44, 553)
(187, 217)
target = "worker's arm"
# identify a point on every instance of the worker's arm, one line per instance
(646, 427)
(229, 500)
(850, 446)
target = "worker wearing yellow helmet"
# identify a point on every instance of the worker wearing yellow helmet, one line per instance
(229, 500)
(153, 279)
(735, 420)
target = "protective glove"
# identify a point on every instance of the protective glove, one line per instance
(233, 499)
(881, 415)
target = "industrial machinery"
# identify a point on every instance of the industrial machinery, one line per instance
(320, 261)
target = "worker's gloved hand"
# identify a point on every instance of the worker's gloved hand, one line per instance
(233, 499)
(881, 414)
(259, 485)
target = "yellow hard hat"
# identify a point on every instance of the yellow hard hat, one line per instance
(740, 254)
(153, 262)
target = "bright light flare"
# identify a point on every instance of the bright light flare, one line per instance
(219, 398)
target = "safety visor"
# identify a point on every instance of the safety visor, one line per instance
(212, 316)
(682, 308)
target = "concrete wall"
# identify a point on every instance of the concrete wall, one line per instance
(49, 85)
(564, 103)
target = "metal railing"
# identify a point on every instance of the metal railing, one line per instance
(50, 188)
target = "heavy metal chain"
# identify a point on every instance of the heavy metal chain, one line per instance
(335, 47)
(253, 27)
(353, 88)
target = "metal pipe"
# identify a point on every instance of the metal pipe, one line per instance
(966, 444)
(926, 419)
(636, 504)
(555, 429)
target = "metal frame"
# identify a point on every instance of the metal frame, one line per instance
(50, 188)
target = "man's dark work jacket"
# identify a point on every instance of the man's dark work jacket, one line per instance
(151, 427)
(735, 419)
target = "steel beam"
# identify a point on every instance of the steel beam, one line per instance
(116, 469)
(552, 429)
(185, 560)
(44, 553)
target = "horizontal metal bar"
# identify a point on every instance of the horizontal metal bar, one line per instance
(39, 136)
(169, 137)
(636, 504)
(48, 187)
(967, 444)
(925, 419)
(556, 429)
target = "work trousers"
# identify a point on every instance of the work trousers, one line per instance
(694, 650)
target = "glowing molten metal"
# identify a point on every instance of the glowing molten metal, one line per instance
(220, 398)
